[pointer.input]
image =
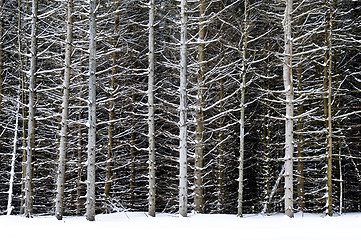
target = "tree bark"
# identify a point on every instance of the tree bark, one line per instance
(199, 141)
(64, 115)
(242, 106)
(221, 159)
(183, 178)
(1, 50)
(13, 160)
(133, 156)
(151, 127)
(300, 155)
(327, 84)
(79, 164)
(28, 208)
(113, 88)
(288, 84)
(24, 86)
(90, 202)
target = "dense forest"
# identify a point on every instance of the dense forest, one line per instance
(212, 106)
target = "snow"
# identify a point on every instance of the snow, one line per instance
(137, 225)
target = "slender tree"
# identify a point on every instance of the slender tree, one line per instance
(113, 89)
(151, 127)
(242, 107)
(1, 48)
(300, 153)
(24, 86)
(64, 114)
(221, 162)
(327, 85)
(90, 202)
(183, 177)
(28, 208)
(288, 84)
(199, 144)
(13, 161)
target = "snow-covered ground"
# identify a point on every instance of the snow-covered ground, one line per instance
(137, 225)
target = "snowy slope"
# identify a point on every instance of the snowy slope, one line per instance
(137, 225)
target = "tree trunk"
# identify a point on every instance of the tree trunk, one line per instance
(327, 84)
(199, 143)
(288, 84)
(221, 158)
(300, 164)
(22, 99)
(108, 175)
(151, 127)
(90, 202)
(267, 144)
(133, 157)
(242, 106)
(183, 178)
(28, 208)
(64, 115)
(13, 159)
(2, 17)
(1, 49)
(24, 86)
(79, 185)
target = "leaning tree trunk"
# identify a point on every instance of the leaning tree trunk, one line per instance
(288, 84)
(151, 128)
(183, 178)
(90, 201)
(13, 159)
(28, 205)
(64, 115)
(21, 99)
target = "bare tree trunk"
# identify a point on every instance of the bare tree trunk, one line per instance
(267, 144)
(242, 105)
(79, 202)
(28, 208)
(151, 128)
(183, 178)
(90, 202)
(288, 84)
(64, 115)
(328, 103)
(300, 164)
(133, 157)
(2, 17)
(20, 100)
(13, 159)
(1, 49)
(24, 102)
(199, 145)
(221, 158)
(113, 88)
(108, 174)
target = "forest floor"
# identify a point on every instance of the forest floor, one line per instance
(137, 225)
